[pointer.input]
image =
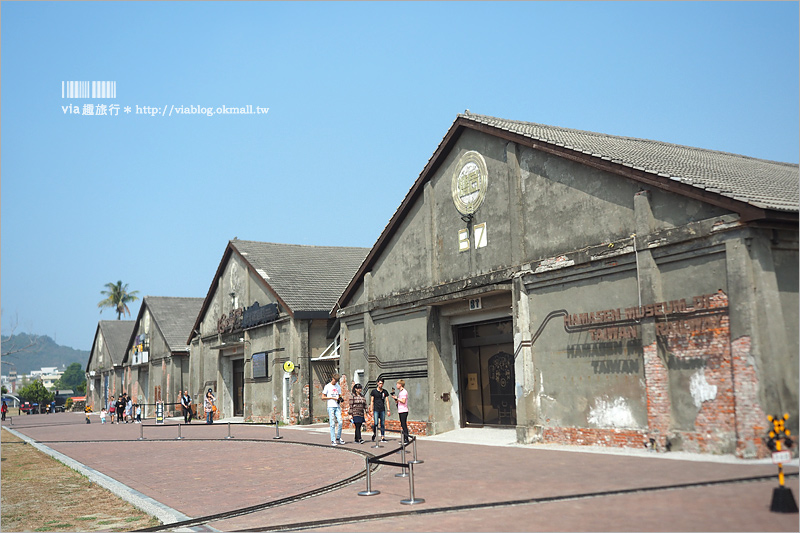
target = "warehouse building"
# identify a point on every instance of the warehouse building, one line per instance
(264, 341)
(585, 289)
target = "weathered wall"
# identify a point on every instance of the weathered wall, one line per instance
(638, 314)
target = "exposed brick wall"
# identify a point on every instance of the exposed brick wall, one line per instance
(656, 381)
(752, 423)
(623, 438)
(729, 416)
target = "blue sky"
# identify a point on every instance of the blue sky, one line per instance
(359, 96)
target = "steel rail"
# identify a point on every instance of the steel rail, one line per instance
(338, 521)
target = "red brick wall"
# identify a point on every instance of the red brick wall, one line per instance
(729, 418)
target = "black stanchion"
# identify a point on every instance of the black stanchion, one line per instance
(414, 447)
(403, 472)
(277, 432)
(141, 431)
(411, 499)
(179, 432)
(368, 491)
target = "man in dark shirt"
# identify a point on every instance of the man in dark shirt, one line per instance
(120, 409)
(379, 408)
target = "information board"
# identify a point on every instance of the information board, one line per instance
(260, 365)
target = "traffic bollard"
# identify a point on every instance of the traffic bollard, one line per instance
(141, 431)
(229, 431)
(277, 432)
(179, 432)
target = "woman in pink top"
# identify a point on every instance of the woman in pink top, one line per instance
(402, 407)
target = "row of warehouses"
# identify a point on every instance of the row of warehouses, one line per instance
(582, 288)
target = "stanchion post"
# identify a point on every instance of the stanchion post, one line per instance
(179, 432)
(403, 472)
(229, 431)
(411, 500)
(141, 431)
(369, 491)
(414, 447)
(277, 432)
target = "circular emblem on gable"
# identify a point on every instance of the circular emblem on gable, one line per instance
(470, 180)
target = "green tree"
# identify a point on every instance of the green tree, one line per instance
(117, 297)
(36, 392)
(72, 378)
(4, 389)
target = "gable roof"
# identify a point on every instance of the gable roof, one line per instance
(306, 280)
(115, 335)
(754, 188)
(759, 182)
(173, 317)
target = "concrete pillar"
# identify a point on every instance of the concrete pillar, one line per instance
(516, 213)
(432, 236)
(529, 428)
(649, 287)
(439, 381)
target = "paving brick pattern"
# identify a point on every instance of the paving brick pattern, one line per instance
(208, 475)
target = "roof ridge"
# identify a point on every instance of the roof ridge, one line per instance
(471, 116)
(234, 241)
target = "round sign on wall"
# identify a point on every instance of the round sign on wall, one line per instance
(288, 366)
(470, 180)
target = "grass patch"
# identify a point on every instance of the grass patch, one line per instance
(36, 487)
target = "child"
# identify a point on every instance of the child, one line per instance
(103, 415)
(138, 414)
(113, 411)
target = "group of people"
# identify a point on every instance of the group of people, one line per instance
(123, 410)
(379, 408)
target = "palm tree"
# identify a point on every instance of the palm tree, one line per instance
(118, 297)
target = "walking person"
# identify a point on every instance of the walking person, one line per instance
(128, 410)
(358, 405)
(138, 413)
(112, 409)
(4, 410)
(332, 392)
(120, 408)
(208, 407)
(379, 409)
(186, 403)
(402, 407)
(103, 415)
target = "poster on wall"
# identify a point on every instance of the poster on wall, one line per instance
(260, 365)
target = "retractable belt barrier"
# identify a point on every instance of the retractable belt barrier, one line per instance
(179, 437)
(407, 470)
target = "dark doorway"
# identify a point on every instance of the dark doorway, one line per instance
(238, 387)
(486, 370)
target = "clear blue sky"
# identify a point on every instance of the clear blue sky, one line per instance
(359, 96)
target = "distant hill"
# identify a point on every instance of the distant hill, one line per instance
(44, 352)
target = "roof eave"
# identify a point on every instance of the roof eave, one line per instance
(746, 211)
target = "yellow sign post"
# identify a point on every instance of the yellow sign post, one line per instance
(779, 443)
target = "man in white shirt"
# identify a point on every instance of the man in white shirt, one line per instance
(332, 392)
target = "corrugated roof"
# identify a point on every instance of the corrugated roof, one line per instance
(116, 334)
(758, 182)
(306, 278)
(174, 317)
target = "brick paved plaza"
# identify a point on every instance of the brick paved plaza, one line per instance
(204, 473)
